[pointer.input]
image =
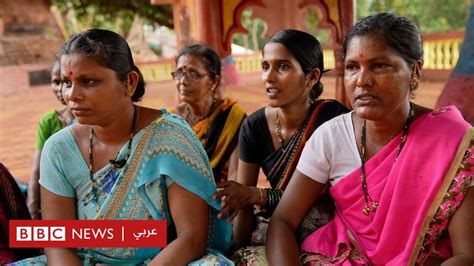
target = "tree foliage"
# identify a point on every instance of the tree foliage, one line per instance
(113, 14)
(430, 15)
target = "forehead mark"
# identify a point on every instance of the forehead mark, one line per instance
(361, 55)
(69, 72)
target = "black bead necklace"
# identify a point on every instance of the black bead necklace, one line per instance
(192, 120)
(116, 163)
(278, 127)
(363, 147)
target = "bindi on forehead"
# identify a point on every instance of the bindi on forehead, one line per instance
(361, 55)
(69, 72)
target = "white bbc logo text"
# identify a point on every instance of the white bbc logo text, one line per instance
(41, 233)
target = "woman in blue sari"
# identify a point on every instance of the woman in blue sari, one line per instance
(122, 161)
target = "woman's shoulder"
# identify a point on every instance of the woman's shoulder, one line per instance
(334, 106)
(48, 117)
(330, 109)
(448, 117)
(258, 115)
(170, 122)
(171, 134)
(61, 137)
(230, 102)
(337, 123)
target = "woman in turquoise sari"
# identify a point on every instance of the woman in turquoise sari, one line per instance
(126, 162)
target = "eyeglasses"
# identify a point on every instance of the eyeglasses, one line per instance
(191, 75)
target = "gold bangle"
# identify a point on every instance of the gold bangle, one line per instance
(261, 196)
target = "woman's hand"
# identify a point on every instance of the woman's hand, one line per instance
(235, 196)
(33, 200)
(33, 194)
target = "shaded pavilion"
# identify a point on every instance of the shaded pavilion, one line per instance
(213, 22)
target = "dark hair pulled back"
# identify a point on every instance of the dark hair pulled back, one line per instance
(396, 32)
(110, 50)
(307, 50)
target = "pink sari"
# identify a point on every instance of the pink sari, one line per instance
(417, 196)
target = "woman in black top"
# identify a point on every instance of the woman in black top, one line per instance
(273, 137)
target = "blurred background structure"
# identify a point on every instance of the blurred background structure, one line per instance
(32, 31)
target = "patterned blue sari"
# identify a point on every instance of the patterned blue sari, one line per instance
(164, 152)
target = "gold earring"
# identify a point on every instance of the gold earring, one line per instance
(213, 96)
(413, 84)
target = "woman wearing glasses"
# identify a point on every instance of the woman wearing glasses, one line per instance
(215, 120)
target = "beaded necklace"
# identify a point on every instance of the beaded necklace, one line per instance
(278, 126)
(192, 120)
(116, 163)
(305, 123)
(363, 147)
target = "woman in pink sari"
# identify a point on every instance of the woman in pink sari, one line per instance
(400, 174)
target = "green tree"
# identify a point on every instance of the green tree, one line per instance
(430, 15)
(114, 15)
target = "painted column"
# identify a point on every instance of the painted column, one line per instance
(346, 12)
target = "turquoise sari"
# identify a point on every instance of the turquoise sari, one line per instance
(164, 152)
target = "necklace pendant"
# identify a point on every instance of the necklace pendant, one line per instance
(366, 209)
(97, 208)
(374, 206)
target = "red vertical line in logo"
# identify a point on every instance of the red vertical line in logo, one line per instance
(122, 234)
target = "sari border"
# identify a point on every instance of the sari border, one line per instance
(126, 182)
(229, 132)
(290, 166)
(344, 251)
(440, 196)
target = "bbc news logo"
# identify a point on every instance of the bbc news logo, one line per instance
(41, 233)
(87, 233)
